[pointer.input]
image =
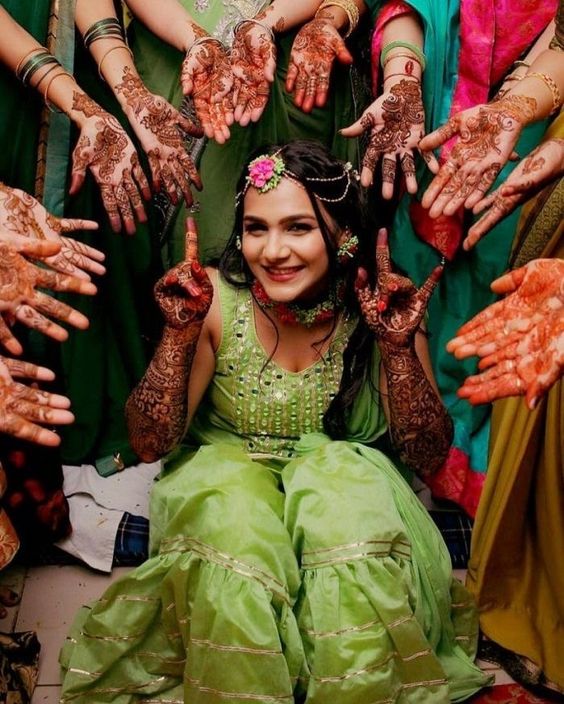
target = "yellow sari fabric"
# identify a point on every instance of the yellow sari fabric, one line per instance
(516, 568)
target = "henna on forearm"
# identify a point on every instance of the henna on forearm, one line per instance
(156, 410)
(420, 427)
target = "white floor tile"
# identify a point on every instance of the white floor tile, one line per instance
(52, 595)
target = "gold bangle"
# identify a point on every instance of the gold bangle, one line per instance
(113, 48)
(391, 57)
(49, 83)
(26, 56)
(552, 87)
(44, 76)
(350, 10)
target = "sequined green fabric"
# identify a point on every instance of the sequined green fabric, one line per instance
(262, 405)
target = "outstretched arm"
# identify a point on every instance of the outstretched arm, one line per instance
(158, 125)
(157, 411)
(396, 120)
(420, 426)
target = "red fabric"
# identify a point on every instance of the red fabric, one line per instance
(458, 482)
(442, 233)
(508, 694)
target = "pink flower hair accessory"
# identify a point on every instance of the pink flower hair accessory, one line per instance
(265, 172)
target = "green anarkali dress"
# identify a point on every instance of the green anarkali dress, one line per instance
(284, 566)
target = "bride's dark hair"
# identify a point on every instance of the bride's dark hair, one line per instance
(332, 187)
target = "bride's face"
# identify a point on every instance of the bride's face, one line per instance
(282, 243)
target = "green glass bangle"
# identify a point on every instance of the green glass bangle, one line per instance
(106, 27)
(34, 64)
(403, 45)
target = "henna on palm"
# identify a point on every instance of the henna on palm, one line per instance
(104, 147)
(253, 56)
(158, 125)
(315, 48)
(403, 117)
(487, 135)
(206, 76)
(21, 408)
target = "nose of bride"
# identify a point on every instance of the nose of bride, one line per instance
(275, 248)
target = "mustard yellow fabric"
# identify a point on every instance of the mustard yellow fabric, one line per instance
(516, 569)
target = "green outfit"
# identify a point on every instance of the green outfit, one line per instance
(98, 367)
(220, 165)
(285, 567)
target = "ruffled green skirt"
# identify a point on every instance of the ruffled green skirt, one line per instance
(323, 582)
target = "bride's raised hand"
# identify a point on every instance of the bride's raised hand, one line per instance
(184, 294)
(394, 307)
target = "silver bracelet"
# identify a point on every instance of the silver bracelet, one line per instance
(257, 22)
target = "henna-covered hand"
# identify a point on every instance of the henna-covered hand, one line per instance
(396, 122)
(543, 165)
(420, 427)
(157, 409)
(26, 370)
(519, 337)
(19, 297)
(528, 367)
(316, 46)
(184, 294)
(394, 308)
(21, 214)
(207, 77)
(104, 148)
(158, 126)
(487, 135)
(253, 62)
(22, 408)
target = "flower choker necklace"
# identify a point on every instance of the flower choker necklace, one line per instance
(295, 314)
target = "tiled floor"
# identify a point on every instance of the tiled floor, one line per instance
(50, 598)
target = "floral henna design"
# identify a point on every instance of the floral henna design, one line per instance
(396, 124)
(543, 166)
(21, 408)
(157, 409)
(158, 125)
(530, 366)
(316, 46)
(107, 151)
(207, 77)
(420, 426)
(253, 62)
(487, 135)
(395, 324)
(536, 290)
(19, 280)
